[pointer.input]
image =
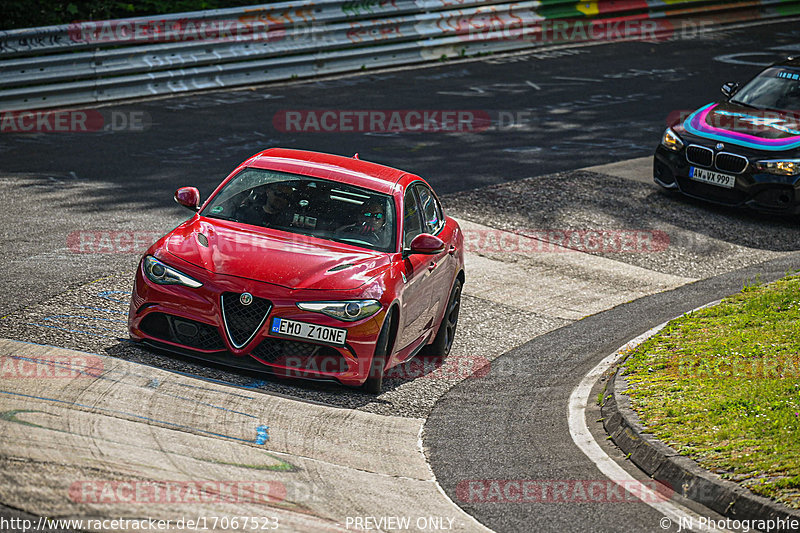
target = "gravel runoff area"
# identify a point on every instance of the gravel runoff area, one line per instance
(93, 318)
(703, 240)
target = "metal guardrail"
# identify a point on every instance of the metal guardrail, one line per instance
(90, 62)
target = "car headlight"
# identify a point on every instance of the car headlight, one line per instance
(163, 274)
(783, 167)
(348, 310)
(671, 141)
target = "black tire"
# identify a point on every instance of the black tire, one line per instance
(440, 347)
(374, 382)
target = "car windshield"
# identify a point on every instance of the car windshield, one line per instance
(776, 88)
(307, 206)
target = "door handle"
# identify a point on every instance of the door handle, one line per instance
(432, 266)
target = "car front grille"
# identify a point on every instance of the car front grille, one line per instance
(699, 155)
(728, 162)
(182, 331)
(243, 321)
(723, 161)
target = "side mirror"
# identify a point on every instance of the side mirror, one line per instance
(188, 197)
(426, 244)
(729, 89)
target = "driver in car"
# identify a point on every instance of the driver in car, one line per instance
(371, 224)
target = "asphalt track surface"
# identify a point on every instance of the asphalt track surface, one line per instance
(587, 105)
(551, 111)
(511, 425)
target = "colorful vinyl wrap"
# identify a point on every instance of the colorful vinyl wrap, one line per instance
(777, 133)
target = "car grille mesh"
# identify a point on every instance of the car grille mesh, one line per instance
(299, 355)
(243, 321)
(731, 162)
(271, 350)
(723, 161)
(699, 155)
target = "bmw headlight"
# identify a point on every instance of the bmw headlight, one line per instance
(163, 274)
(671, 141)
(348, 310)
(783, 167)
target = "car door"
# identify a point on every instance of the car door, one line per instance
(416, 301)
(442, 265)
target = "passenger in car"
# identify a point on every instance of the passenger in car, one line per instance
(267, 207)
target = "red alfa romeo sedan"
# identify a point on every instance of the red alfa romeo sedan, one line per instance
(305, 265)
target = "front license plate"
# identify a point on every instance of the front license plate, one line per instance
(714, 178)
(304, 330)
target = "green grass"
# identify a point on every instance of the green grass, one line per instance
(722, 386)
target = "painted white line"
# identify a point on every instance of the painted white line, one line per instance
(574, 78)
(579, 431)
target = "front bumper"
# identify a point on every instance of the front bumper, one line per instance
(767, 193)
(190, 321)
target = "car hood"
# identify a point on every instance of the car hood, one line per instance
(745, 126)
(272, 256)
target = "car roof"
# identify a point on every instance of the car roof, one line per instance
(348, 170)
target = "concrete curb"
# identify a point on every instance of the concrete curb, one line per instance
(147, 427)
(680, 473)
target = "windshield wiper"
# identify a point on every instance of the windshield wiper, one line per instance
(221, 217)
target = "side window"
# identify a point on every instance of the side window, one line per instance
(412, 223)
(431, 210)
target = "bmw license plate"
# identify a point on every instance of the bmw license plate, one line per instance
(714, 178)
(304, 330)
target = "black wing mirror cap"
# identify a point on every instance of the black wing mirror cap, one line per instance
(729, 89)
